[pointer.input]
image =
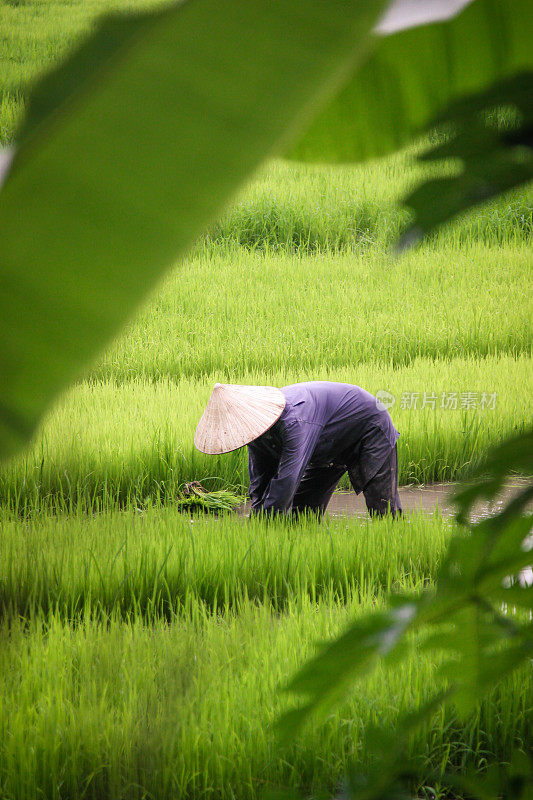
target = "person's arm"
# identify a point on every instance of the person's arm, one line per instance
(261, 467)
(299, 442)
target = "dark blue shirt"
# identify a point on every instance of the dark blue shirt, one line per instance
(323, 423)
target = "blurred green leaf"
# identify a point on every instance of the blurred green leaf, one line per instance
(327, 677)
(469, 618)
(513, 781)
(412, 75)
(392, 772)
(515, 455)
(514, 596)
(477, 563)
(130, 149)
(495, 155)
(508, 556)
(479, 655)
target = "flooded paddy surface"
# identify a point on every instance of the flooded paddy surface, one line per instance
(430, 498)
(435, 497)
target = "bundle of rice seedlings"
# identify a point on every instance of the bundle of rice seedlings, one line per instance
(195, 496)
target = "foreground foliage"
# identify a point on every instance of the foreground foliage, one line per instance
(478, 616)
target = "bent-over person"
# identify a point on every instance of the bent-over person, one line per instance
(301, 440)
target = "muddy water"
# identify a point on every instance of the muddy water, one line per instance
(414, 498)
(430, 499)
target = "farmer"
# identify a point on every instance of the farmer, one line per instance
(301, 440)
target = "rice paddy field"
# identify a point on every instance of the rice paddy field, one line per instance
(142, 649)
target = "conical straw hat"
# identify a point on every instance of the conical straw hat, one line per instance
(236, 415)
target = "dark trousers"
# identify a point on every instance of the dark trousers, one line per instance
(380, 493)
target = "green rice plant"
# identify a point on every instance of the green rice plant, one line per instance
(109, 443)
(303, 314)
(132, 711)
(193, 496)
(477, 618)
(315, 209)
(143, 650)
(156, 563)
